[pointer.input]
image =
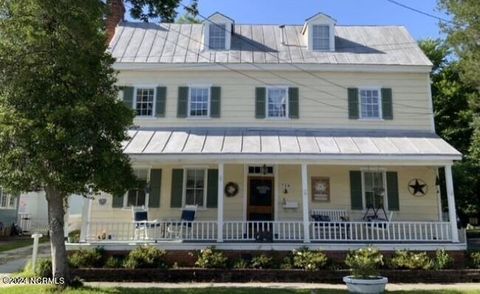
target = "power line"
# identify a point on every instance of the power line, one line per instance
(419, 11)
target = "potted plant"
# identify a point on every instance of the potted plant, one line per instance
(364, 264)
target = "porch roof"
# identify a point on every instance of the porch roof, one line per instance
(231, 143)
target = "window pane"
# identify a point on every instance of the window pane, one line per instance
(199, 101)
(144, 105)
(217, 36)
(190, 197)
(370, 104)
(12, 202)
(277, 102)
(140, 198)
(3, 199)
(321, 37)
(132, 198)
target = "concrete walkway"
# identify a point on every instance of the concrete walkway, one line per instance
(390, 287)
(15, 260)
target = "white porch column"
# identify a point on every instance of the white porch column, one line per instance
(220, 203)
(85, 219)
(305, 201)
(452, 213)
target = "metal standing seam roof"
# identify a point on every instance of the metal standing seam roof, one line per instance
(261, 44)
(217, 141)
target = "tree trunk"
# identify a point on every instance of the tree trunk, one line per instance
(56, 214)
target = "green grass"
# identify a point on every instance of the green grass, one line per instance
(87, 290)
(19, 243)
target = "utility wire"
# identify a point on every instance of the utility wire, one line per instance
(419, 11)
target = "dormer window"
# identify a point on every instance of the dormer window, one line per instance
(217, 36)
(320, 37)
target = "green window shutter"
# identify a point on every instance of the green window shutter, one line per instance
(177, 188)
(356, 190)
(117, 201)
(160, 102)
(155, 188)
(182, 106)
(353, 103)
(128, 93)
(215, 101)
(260, 107)
(293, 103)
(212, 188)
(387, 105)
(392, 191)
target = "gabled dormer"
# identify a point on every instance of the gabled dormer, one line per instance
(217, 32)
(319, 32)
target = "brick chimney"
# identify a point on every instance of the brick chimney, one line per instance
(116, 12)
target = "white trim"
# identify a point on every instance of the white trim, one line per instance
(245, 190)
(430, 105)
(452, 213)
(305, 204)
(189, 101)
(220, 205)
(276, 185)
(287, 102)
(154, 105)
(380, 104)
(205, 185)
(320, 67)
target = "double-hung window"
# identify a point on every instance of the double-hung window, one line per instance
(199, 102)
(144, 101)
(7, 201)
(194, 186)
(277, 102)
(217, 36)
(138, 196)
(370, 103)
(321, 37)
(374, 189)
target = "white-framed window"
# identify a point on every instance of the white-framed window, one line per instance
(370, 103)
(138, 197)
(321, 37)
(7, 201)
(277, 102)
(199, 102)
(217, 36)
(374, 189)
(194, 187)
(144, 101)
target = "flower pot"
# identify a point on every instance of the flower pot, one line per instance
(370, 286)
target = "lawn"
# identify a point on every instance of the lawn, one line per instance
(86, 290)
(15, 244)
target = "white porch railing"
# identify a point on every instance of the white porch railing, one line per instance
(275, 231)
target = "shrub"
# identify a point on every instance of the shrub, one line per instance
(74, 236)
(306, 259)
(404, 259)
(211, 258)
(287, 263)
(86, 258)
(240, 264)
(364, 262)
(43, 269)
(475, 259)
(442, 260)
(113, 262)
(262, 262)
(146, 257)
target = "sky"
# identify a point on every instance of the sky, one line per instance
(346, 12)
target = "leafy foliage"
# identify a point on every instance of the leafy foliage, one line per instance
(87, 258)
(475, 259)
(163, 10)
(113, 262)
(442, 260)
(309, 259)
(211, 258)
(240, 264)
(364, 262)
(262, 262)
(43, 269)
(146, 257)
(404, 259)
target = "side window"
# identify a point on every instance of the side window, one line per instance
(195, 187)
(374, 190)
(277, 102)
(370, 104)
(144, 101)
(7, 201)
(199, 102)
(138, 197)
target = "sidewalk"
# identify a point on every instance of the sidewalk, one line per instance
(14, 260)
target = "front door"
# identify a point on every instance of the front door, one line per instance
(260, 199)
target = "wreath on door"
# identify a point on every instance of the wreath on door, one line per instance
(231, 189)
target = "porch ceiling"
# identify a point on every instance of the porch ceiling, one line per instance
(245, 143)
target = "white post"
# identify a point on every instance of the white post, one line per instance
(220, 203)
(452, 214)
(36, 238)
(83, 230)
(439, 197)
(305, 200)
(66, 218)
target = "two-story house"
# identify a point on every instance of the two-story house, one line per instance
(279, 136)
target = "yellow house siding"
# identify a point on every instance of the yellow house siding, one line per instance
(323, 98)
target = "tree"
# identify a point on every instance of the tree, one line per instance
(188, 18)
(454, 108)
(61, 124)
(163, 10)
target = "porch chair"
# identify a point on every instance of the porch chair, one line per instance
(141, 222)
(186, 219)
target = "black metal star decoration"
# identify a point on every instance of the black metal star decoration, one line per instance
(417, 187)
